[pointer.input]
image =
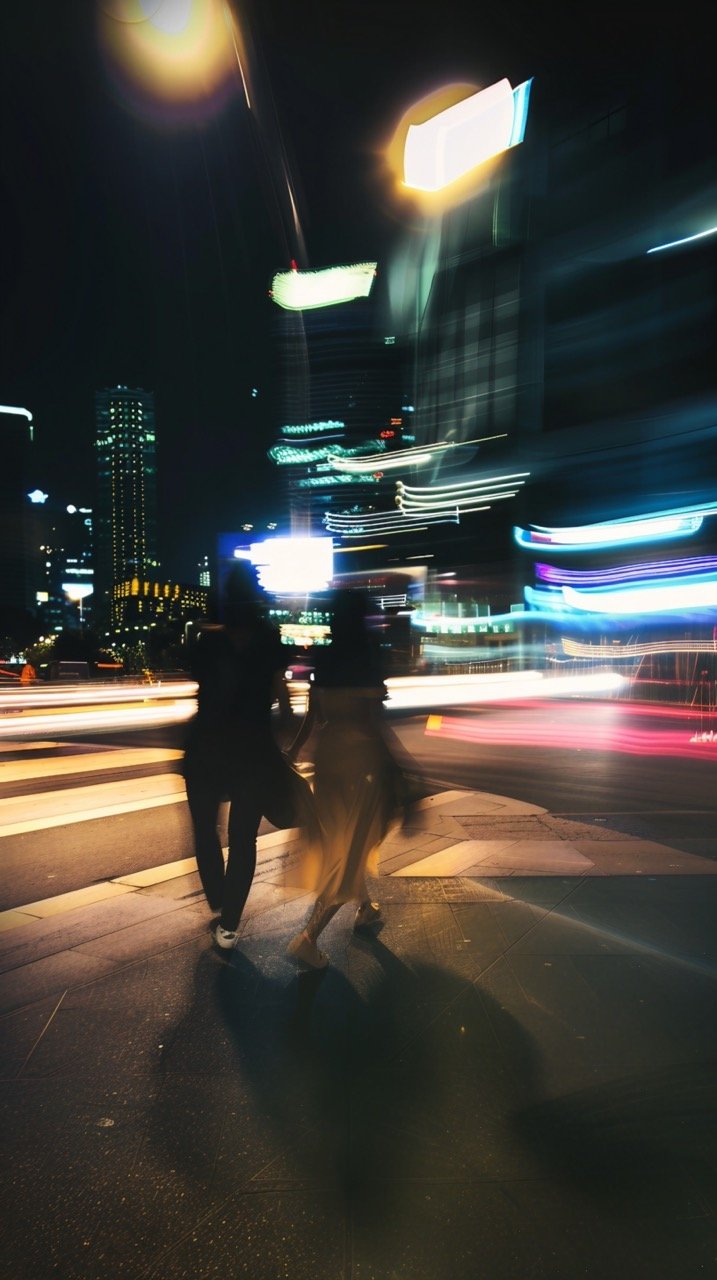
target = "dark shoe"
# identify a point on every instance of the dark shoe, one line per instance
(367, 914)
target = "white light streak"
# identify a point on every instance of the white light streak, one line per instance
(653, 527)
(673, 244)
(433, 692)
(307, 290)
(663, 599)
(578, 649)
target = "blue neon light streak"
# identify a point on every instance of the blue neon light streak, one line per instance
(521, 99)
(651, 527)
(673, 244)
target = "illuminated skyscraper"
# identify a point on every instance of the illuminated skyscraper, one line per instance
(126, 511)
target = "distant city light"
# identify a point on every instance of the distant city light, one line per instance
(77, 591)
(19, 411)
(12, 408)
(673, 244)
(36, 495)
(307, 290)
(312, 428)
(439, 151)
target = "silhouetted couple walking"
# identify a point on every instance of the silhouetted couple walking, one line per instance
(232, 753)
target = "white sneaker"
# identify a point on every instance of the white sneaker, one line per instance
(225, 938)
(367, 913)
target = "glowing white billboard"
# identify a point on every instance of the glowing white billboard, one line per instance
(450, 144)
(306, 290)
(291, 566)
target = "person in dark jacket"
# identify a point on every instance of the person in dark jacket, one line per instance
(231, 750)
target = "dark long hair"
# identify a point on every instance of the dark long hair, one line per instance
(353, 657)
(243, 603)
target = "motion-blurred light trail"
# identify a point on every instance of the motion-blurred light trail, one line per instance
(307, 290)
(640, 570)
(674, 244)
(37, 711)
(423, 692)
(614, 734)
(679, 522)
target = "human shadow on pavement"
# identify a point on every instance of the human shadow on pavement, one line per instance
(365, 1093)
(378, 1085)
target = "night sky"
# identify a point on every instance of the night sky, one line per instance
(139, 250)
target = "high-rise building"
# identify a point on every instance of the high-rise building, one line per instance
(126, 509)
(15, 575)
(65, 581)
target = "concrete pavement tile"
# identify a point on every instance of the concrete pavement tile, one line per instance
(495, 926)
(643, 857)
(674, 915)
(510, 828)
(558, 935)
(538, 1228)
(539, 890)
(63, 902)
(148, 937)
(597, 1019)
(474, 888)
(180, 888)
(699, 846)
(20, 1031)
(391, 861)
(63, 932)
(263, 1235)
(478, 802)
(49, 976)
(451, 860)
(590, 828)
(14, 918)
(552, 857)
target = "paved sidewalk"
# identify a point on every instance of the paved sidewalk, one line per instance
(515, 1077)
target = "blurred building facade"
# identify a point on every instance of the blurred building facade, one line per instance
(568, 309)
(340, 390)
(17, 599)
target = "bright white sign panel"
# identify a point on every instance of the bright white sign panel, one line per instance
(293, 566)
(450, 144)
(306, 290)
